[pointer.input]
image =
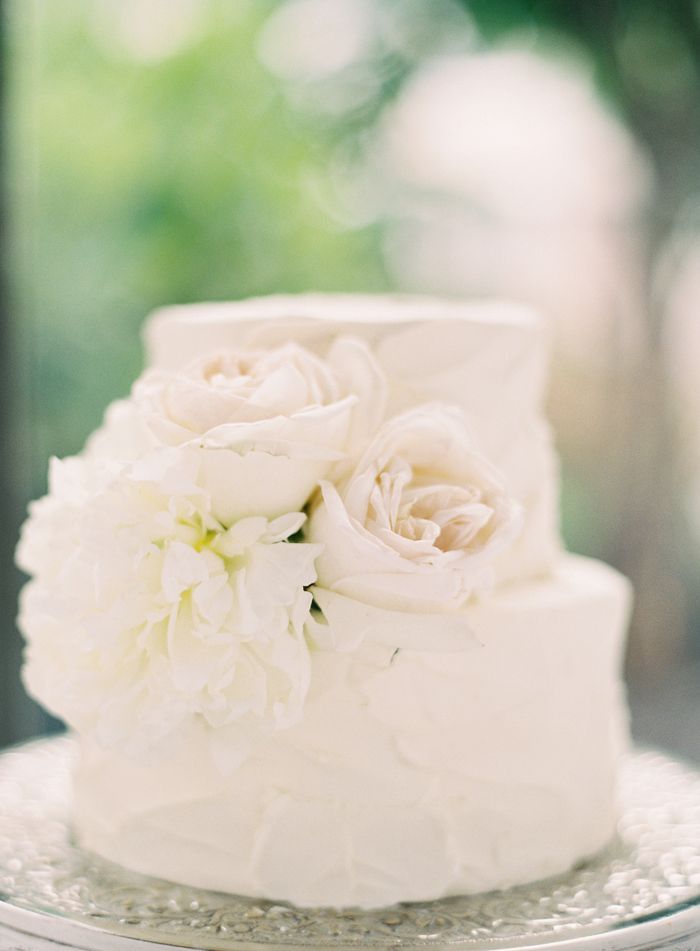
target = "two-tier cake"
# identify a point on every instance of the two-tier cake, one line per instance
(304, 600)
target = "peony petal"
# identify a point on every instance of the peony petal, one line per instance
(213, 600)
(284, 567)
(183, 568)
(241, 536)
(281, 528)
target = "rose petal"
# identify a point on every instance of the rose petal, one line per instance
(350, 622)
(257, 483)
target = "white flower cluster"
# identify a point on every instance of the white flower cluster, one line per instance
(173, 567)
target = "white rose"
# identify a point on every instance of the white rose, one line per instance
(413, 530)
(269, 424)
(147, 617)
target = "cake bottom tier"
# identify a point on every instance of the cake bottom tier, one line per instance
(413, 775)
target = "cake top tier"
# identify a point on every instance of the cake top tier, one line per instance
(354, 307)
(176, 334)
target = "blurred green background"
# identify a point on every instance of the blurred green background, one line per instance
(162, 151)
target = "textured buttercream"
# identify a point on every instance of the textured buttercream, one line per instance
(412, 775)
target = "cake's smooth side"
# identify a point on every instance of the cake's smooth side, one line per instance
(490, 359)
(411, 776)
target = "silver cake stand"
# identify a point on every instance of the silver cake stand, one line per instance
(643, 893)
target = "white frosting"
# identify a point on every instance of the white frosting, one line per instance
(489, 359)
(411, 776)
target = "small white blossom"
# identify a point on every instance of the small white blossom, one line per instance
(147, 617)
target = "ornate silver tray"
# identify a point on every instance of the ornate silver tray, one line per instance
(642, 893)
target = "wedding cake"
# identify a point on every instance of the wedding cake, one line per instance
(304, 602)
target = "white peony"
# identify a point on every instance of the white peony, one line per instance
(413, 530)
(268, 424)
(147, 617)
